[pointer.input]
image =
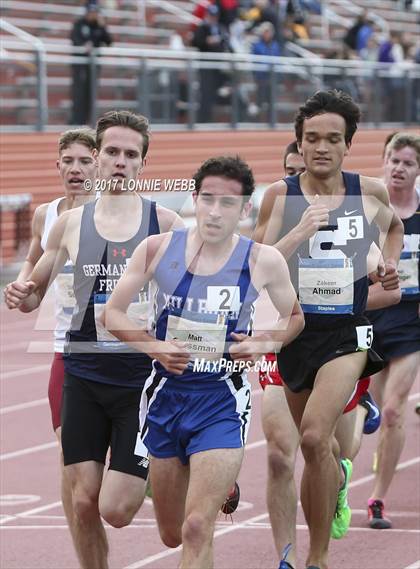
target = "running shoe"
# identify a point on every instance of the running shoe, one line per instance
(342, 517)
(283, 563)
(373, 417)
(231, 503)
(376, 517)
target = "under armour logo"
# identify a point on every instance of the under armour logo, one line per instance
(174, 265)
(122, 252)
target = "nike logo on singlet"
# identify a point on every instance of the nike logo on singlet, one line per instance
(350, 212)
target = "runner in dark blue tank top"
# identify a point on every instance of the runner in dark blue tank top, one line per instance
(319, 221)
(397, 328)
(104, 378)
(195, 407)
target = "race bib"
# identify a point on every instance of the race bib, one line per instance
(408, 271)
(204, 340)
(64, 290)
(408, 267)
(137, 311)
(326, 242)
(223, 298)
(326, 286)
(364, 337)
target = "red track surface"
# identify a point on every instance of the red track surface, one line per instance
(32, 526)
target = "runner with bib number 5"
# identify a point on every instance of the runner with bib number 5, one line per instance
(320, 221)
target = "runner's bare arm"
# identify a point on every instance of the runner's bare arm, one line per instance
(27, 295)
(269, 270)
(283, 296)
(168, 219)
(270, 215)
(35, 250)
(270, 221)
(379, 210)
(139, 272)
(379, 297)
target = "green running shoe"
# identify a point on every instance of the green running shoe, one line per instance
(342, 517)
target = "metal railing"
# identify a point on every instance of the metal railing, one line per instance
(40, 61)
(170, 86)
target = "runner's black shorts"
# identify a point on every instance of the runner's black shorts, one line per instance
(396, 330)
(97, 416)
(299, 361)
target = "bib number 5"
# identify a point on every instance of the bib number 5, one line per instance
(364, 337)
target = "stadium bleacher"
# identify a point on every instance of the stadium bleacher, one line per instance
(151, 28)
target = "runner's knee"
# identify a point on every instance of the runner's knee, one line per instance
(118, 516)
(315, 447)
(85, 505)
(281, 461)
(170, 536)
(196, 529)
(392, 414)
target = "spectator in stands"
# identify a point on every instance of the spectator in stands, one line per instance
(391, 51)
(295, 21)
(268, 46)
(370, 52)
(89, 32)
(228, 11)
(209, 36)
(200, 11)
(263, 11)
(350, 39)
(363, 35)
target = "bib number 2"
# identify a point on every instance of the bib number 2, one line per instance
(223, 298)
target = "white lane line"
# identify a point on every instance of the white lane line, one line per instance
(30, 512)
(26, 371)
(46, 446)
(257, 444)
(21, 406)
(390, 514)
(169, 552)
(370, 477)
(44, 400)
(29, 450)
(13, 347)
(415, 565)
(34, 527)
(245, 524)
(267, 525)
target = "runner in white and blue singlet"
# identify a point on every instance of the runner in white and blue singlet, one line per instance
(75, 164)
